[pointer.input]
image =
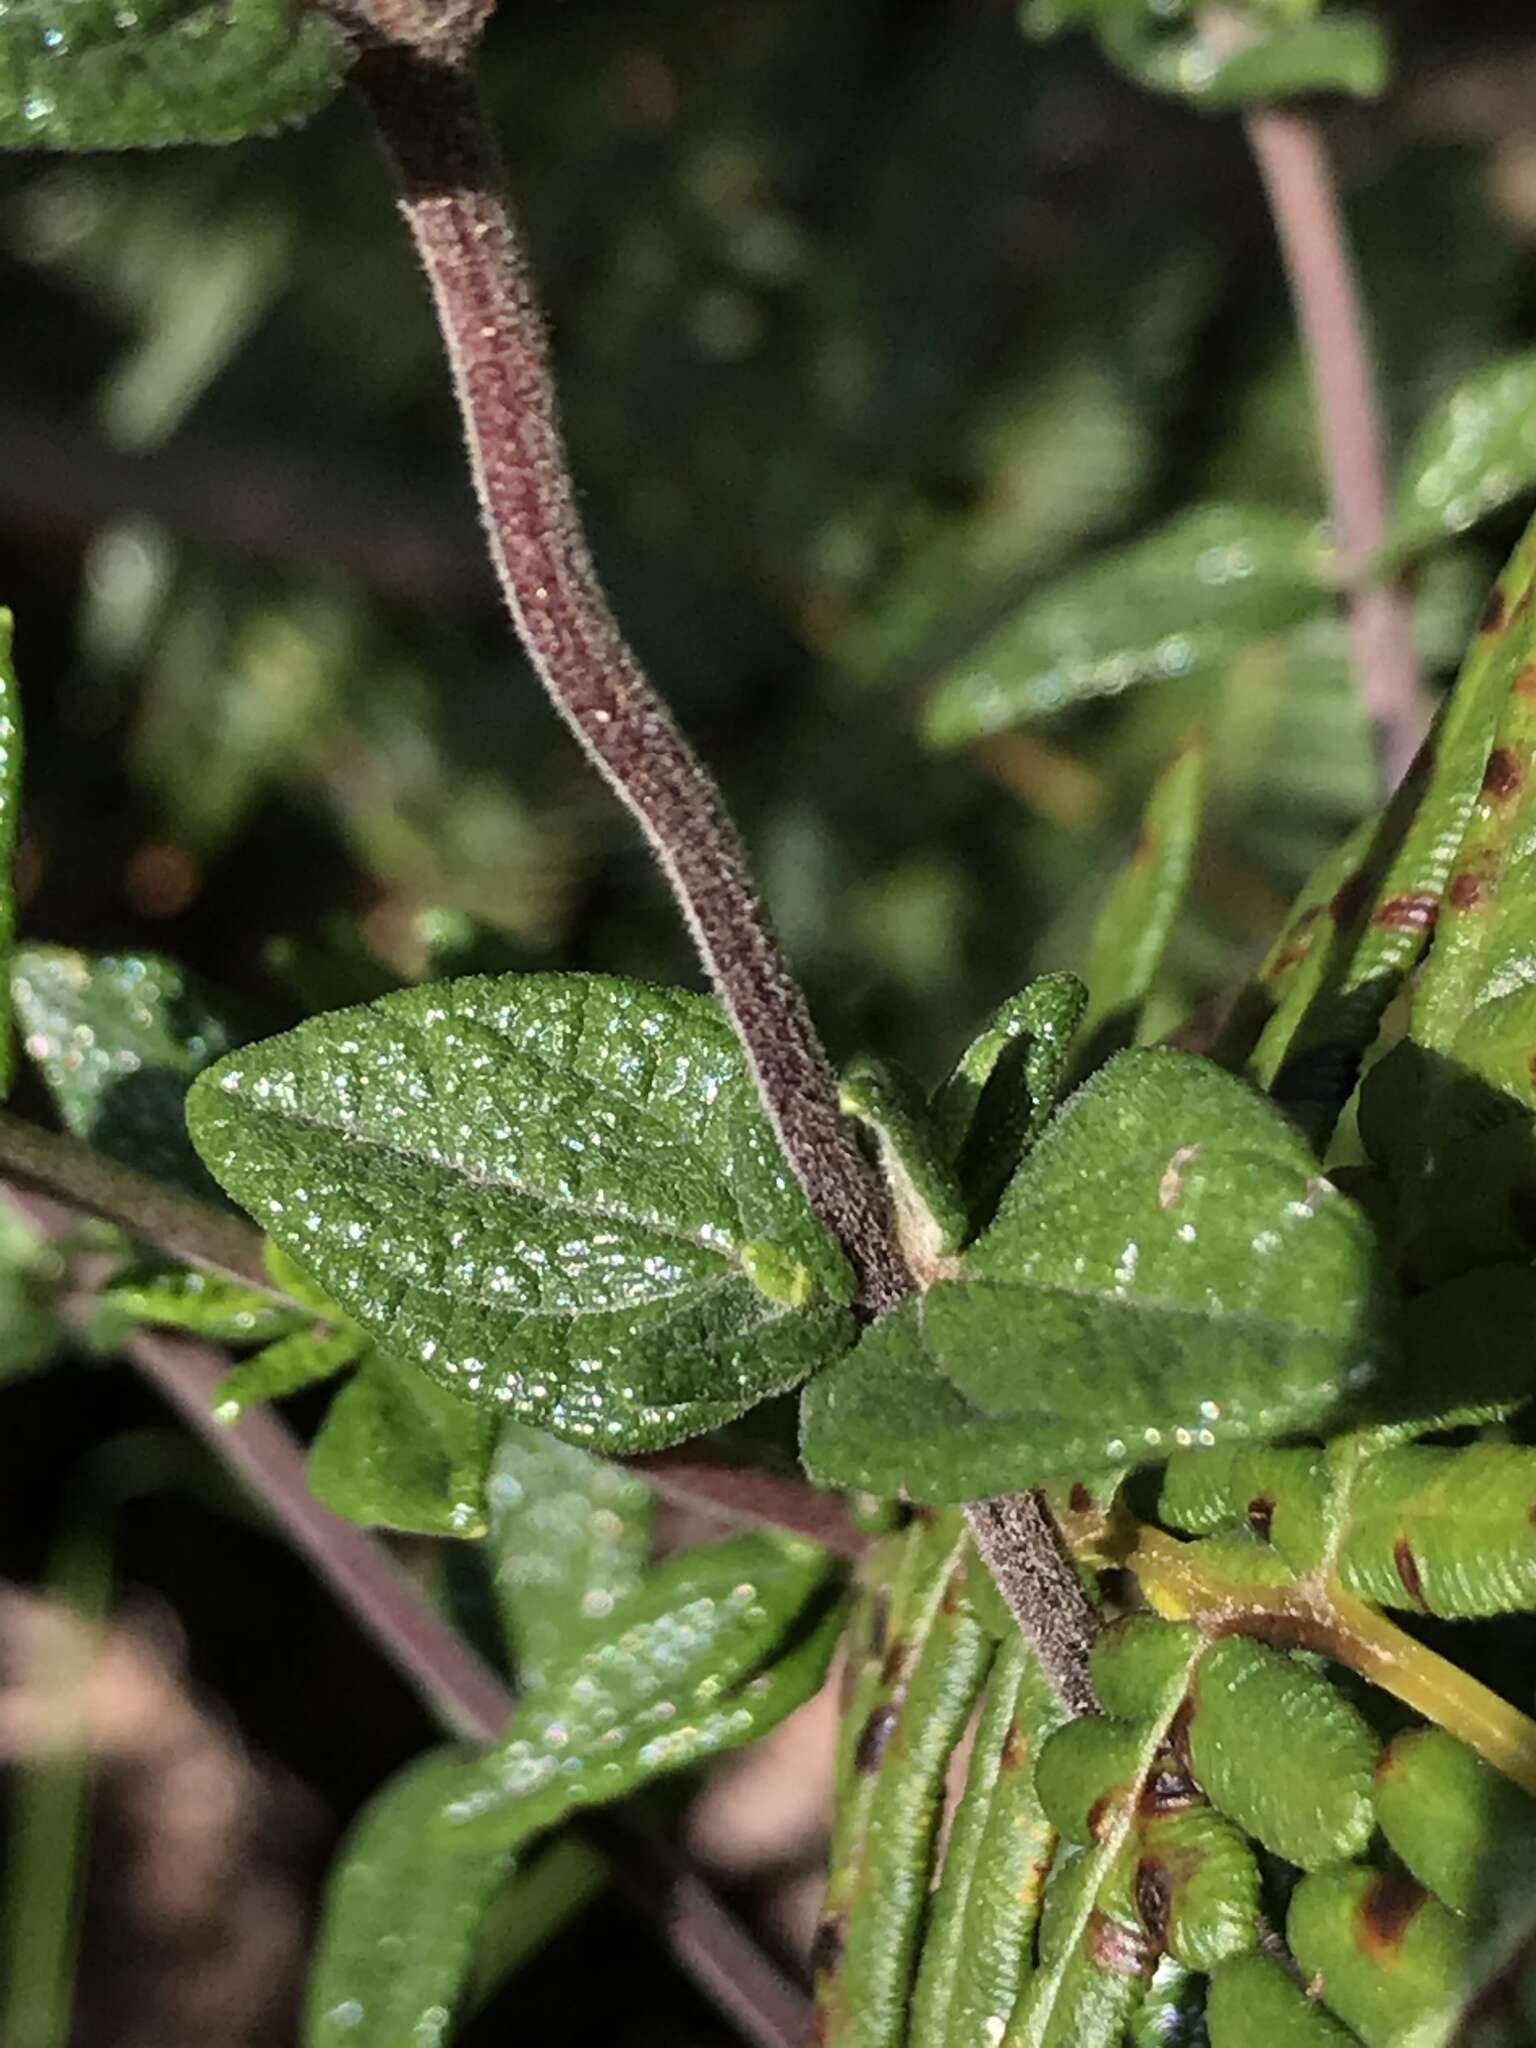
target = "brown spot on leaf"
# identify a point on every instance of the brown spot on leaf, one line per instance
(1079, 1500)
(1492, 620)
(1465, 891)
(1349, 898)
(1015, 1748)
(879, 1623)
(1408, 913)
(1100, 1812)
(894, 1669)
(1171, 1186)
(827, 1945)
(1503, 775)
(1524, 684)
(1407, 1566)
(873, 1737)
(1154, 1898)
(954, 1591)
(1117, 1950)
(1169, 1786)
(1178, 1731)
(1298, 942)
(1384, 1914)
(1261, 1513)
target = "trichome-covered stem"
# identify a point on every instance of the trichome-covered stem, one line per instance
(428, 112)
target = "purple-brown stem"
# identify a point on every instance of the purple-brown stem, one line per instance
(1293, 163)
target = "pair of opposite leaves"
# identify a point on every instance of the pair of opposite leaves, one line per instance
(560, 1197)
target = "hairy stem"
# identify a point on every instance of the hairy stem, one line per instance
(428, 112)
(1293, 164)
(61, 1168)
(1322, 1616)
(1023, 1549)
(461, 1687)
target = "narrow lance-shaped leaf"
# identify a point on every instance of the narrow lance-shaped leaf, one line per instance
(116, 1039)
(569, 1538)
(401, 1916)
(1131, 933)
(1179, 601)
(1475, 453)
(95, 75)
(182, 1298)
(10, 809)
(397, 1452)
(716, 1646)
(558, 1195)
(301, 1359)
(1394, 913)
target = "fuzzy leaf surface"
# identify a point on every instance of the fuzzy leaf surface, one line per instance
(558, 1194)
(716, 1645)
(91, 74)
(400, 1920)
(1444, 1531)
(1166, 1267)
(1181, 600)
(569, 1538)
(116, 1039)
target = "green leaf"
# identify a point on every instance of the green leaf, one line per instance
(32, 1272)
(1240, 56)
(1192, 1882)
(1090, 1773)
(1444, 1531)
(401, 1917)
(1132, 930)
(1310, 1801)
(1461, 1827)
(397, 1452)
(716, 1647)
(292, 1363)
(93, 75)
(10, 818)
(1135, 1660)
(1255, 1999)
(558, 1194)
(117, 1038)
(929, 1212)
(569, 1539)
(975, 1952)
(1181, 600)
(1166, 1268)
(182, 1298)
(1474, 453)
(1389, 1955)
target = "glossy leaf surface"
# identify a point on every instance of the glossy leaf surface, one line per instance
(401, 1916)
(1475, 453)
(93, 75)
(182, 1298)
(1166, 1268)
(397, 1452)
(117, 1038)
(556, 1194)
(569, 1539)
(716, 1646)
(1181, 600)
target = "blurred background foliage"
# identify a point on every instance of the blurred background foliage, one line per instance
(872, 321)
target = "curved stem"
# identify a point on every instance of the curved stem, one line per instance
(61, 1168)
(1293, 163)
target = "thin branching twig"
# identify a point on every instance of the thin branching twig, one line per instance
(1292, 159)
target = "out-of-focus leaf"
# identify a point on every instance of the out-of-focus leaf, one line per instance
(401, 1919)
(1132, 930)
(398, 1452)
(182, 1298)
(569, 1536)
(1462, 1828)
(93, 75)
(558, 1195)
(1167, 1267)
(1181, 600)
(31, 1274)
(1240, 55)
(715, 1648)
(1444, 1531)
(10, 807)
(1475, 453)
(1390, 1956)
(1254, 1998)
(117, 1038)
(300, 1360)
